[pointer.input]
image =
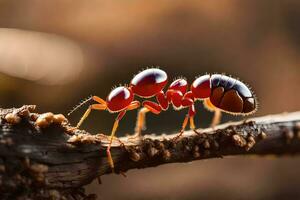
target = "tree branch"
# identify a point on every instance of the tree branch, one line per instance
(40, 157)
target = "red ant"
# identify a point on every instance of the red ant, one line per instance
(219, 92)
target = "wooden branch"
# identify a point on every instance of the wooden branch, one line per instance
(41, 158)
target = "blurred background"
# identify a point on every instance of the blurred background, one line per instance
(55, 53)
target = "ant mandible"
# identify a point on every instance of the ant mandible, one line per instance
(219, 92)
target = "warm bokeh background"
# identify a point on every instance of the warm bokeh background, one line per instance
(55, 53)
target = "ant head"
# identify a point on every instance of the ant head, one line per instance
(119, 99)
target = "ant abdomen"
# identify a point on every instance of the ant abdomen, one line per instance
(231, 95)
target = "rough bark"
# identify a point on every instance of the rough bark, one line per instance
(41, 158)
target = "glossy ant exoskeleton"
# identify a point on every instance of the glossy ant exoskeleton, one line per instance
(219, 93)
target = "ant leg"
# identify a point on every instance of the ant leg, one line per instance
(192, 113)
(148, 106)
(99, 100)
(217, 118)
(155, 108)
(185, 122)
(113, 132)
(217, 112)
(152, 106)
(141, 122)
(100, 106)
(192, 123)
(193, 126)
(190, 116)
(88, 111)
(133, 105)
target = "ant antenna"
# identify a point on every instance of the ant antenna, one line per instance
(84, 101)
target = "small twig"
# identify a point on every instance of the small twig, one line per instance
(40, 155)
